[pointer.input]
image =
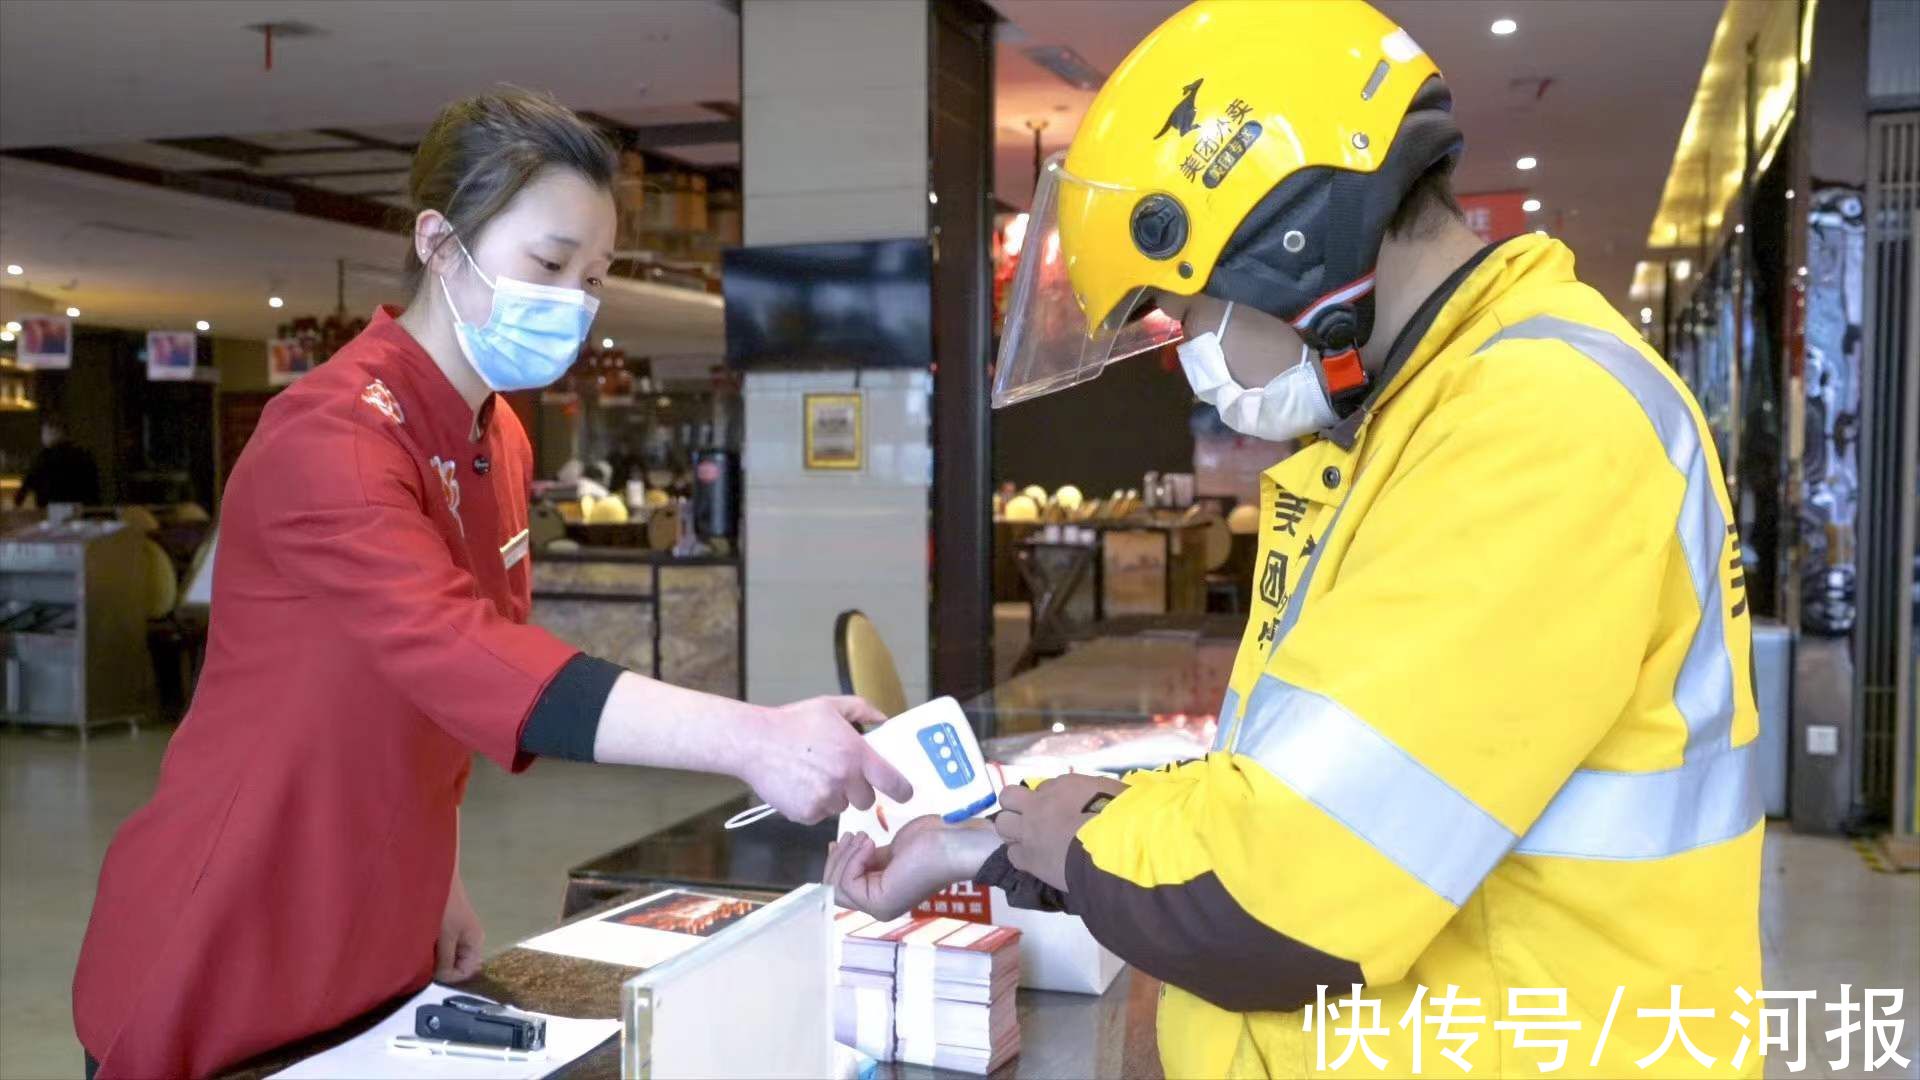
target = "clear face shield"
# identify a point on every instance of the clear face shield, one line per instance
(1051, 340)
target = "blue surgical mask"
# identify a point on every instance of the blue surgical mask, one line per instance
(532, 335)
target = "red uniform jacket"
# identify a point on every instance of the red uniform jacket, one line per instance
(368, 634)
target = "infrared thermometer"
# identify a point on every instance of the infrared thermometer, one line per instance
(933, 747)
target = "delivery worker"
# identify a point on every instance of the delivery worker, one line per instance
(1485, 752)
(297, 865)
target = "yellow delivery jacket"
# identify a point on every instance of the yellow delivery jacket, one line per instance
(1489, 729)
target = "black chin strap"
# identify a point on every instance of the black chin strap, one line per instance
(1347, 430)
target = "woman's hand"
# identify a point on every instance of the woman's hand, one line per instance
(458, 954)
(926, 855)
(808, 761)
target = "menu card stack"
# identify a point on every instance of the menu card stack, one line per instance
(929, 991)
(954, 995)
(863, 982)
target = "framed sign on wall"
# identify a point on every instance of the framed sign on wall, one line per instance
(835, 438)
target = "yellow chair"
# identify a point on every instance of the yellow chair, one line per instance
(163, 586)
(141, 518)
(866, 665)
(1218, 545)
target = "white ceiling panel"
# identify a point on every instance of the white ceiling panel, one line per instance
(157, 156)
(708, 154)
(297, 140)
(650, 116)
(120, 70)
(329, 161)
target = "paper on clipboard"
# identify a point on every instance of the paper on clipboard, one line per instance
(647, 932)
(366, 1055)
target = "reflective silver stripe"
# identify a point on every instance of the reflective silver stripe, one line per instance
(1703, 691)
(1614, 815)
(1223, 723)
(1361, 779)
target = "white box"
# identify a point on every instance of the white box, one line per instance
(1057, 952)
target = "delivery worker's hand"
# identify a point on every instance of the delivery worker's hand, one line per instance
(926, 855)
(808, 761)
(1039, 823)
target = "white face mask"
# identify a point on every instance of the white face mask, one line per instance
(1290, 406)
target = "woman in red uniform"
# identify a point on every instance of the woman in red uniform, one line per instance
(296, 866)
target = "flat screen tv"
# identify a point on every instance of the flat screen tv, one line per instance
(840, 305)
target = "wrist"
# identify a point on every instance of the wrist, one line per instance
(743, 731)
(968, 847)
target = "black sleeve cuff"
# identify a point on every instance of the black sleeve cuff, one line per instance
(566, 719)
(1195, 936)
(1023, 889)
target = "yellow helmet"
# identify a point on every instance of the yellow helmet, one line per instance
(1251, 151)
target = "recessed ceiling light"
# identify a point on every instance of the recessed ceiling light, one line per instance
(73, 313)
(1738, 229)
(203, 326)
(6, 335)
(1646, 314)
(1530, 205)
(15, 269)
(606, 343)
(12, 327)
(1503, 27)
(1525, 163)
(274, 302)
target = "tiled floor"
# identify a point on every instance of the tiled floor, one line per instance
(59, 805)
(1828, 918)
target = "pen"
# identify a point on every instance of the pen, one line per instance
(416, 1046)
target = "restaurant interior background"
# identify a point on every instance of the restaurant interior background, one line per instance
(781, 414)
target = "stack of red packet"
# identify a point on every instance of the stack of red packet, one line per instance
(863, 982)
(952, 991)
(953, 1005)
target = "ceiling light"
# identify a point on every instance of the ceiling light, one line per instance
(6, 335)
(274, 302)
(606, 343)
(12, 327)
(203, 326)
(1646, 314)
(1681, 269)
(1530, 205)
(1068, 66)
(1525, 163)
(1738, 229)
(73, 313)
(1789, 194)
(14, 269)
(1503, 27)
